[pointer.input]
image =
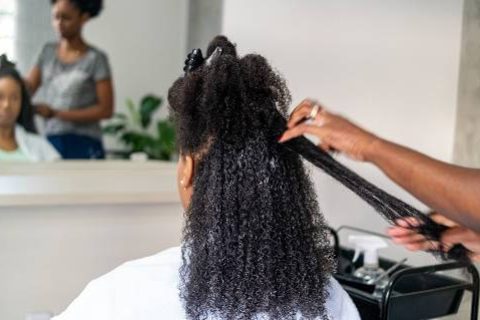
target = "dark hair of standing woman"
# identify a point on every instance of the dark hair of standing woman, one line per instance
(92, 7)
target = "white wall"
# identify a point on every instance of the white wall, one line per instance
(205, 22)
(466, 150)
(48, 254)
(64, 224)
(391, 65)
(146, 43)
(33, 30)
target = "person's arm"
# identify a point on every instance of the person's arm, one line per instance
(33, 79)
(102, 110)
(452, 190)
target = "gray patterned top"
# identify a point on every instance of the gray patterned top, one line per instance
(68, 86)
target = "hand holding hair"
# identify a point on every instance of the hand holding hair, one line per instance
(403, 234)
(335, 132)
(45, 111)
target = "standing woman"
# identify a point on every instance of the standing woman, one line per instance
(71, 83)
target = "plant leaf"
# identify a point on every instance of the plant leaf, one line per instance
(166, 135)
(131, 128)
(113, 128)
(137, 141)
(148, 106)
(134, 114)
(120, 116)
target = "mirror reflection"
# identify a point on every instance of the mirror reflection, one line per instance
(92, 95)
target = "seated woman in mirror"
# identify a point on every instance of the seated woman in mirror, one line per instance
(255, 245)
(18, 139)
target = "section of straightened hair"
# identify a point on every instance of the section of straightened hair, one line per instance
(390, 207)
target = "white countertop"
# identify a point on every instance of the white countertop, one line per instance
(88, 182)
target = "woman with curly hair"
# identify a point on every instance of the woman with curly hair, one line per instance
(255, 245)
(72, 84)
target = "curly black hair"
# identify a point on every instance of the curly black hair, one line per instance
(26, 116)
(92, 7)
(254, 241)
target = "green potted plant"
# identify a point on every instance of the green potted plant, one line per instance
(137, 131)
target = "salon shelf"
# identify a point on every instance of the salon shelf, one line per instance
(88, 182)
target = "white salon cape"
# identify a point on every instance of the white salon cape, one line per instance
(147, 289)
(36, 148)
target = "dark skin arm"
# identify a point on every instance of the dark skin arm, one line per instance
(446, 188)
(33, 80)
(102, 110)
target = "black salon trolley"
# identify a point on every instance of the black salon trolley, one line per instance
(413, 293)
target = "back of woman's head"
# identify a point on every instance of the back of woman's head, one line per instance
(25, 117)
(254, 240)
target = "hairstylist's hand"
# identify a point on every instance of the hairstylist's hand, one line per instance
(45, 111)
(403, 235)
(335, 132)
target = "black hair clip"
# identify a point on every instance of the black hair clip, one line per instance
(194, 60)
(5, 63)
